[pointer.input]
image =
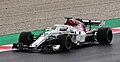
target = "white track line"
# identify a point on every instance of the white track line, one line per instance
(6, 49)
(117, 31)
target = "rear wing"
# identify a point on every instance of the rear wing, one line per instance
(90, 22)
(100, 23)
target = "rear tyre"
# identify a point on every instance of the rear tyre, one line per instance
(26, 38)
(104, 35)
(65, 42)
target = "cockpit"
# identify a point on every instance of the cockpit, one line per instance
(61, 28)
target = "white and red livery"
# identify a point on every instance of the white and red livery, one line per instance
(74, 32)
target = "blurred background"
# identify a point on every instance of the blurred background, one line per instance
(28, 15)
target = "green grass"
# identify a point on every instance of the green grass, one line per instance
(113, 23)
(8, 39)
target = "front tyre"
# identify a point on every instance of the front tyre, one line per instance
(104, 35)
(26, 38)
(65, 42)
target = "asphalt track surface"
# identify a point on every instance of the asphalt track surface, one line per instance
(95, 53)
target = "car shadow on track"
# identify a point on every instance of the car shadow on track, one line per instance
(64, 52)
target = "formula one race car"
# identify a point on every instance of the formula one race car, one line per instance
(65, 36)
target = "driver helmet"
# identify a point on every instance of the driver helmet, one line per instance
(63, 28)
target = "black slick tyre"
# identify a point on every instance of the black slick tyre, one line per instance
(26, 38)
(104, 35)
(65, 42)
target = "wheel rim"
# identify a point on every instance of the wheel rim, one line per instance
(68, 43)
(30, 37)
(109, 35)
